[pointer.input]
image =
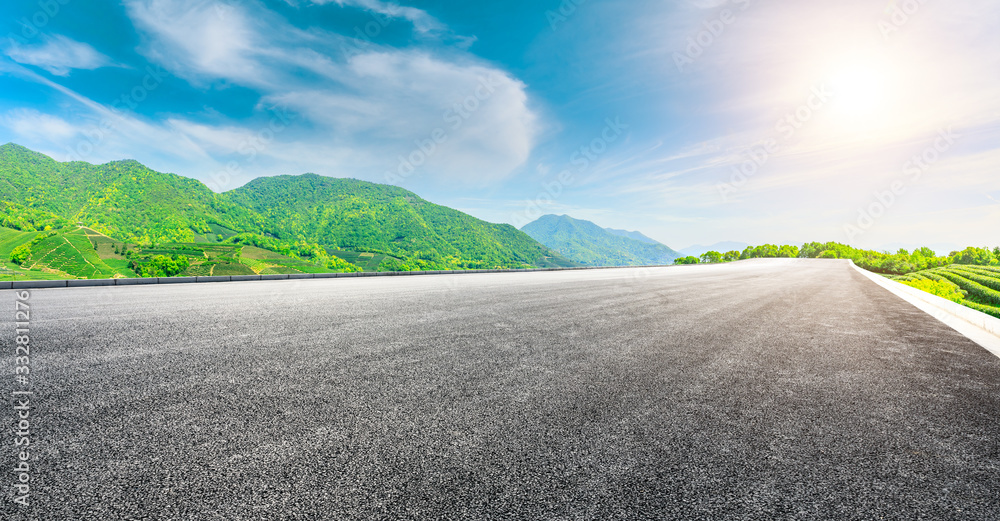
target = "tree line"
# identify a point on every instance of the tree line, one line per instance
(899, 263)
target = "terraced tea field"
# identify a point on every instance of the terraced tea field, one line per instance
(10, 239)
(86, 253)
(365, 261)
(71, 254)
(977, 287)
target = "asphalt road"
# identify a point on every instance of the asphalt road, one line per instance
(758, 390)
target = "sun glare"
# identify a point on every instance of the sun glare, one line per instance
(861, 94)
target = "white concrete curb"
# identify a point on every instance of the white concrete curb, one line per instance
(978, 326)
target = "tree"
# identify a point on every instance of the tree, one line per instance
(342, 266)
(731, 256)
(21, 254)
(974, 256)
(788, 252)
(918, 261)
(161, 266)
(711, 257)
(687, 260)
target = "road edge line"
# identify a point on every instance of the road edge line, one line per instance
(975, 325)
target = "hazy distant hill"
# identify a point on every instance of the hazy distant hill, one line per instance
(588, 243)
(633, 235)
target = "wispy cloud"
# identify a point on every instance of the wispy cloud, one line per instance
(58, 55)
(34, 124)
(421, 20)
(367, 115)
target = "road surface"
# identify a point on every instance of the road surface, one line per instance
(784, 389)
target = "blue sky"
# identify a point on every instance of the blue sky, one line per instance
(869, 122)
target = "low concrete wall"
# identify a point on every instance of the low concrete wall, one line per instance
(984, 329)
(41, 284)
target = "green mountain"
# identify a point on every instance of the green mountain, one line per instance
(632, 235)
(309, 219)
(121, 199)
(357, 215)
(589, 244)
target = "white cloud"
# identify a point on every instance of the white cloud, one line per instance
(58, 55)
(34, 124)
(368, 109)
(100, 133)
(421, 20)
(198, 39)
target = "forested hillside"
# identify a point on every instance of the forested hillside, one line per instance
(306, 217)
(357, 215)
(122, 199)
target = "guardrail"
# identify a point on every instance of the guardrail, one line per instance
(80, 283)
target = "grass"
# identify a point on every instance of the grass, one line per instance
(198, 270)
(73, 255)
(10, 239)
(67, 255)
(85, 253)
(363, 260)
(255, 253)
(105, 246)
(9, 271)
(231, 268)
(219, 233)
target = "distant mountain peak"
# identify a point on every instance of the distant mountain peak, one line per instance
(639, 236)
(15, 151)
(587, 243)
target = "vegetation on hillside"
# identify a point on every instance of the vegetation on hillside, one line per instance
(976, 286)
(121, 199)
(347, 214)
(304, 218)
(591, 245)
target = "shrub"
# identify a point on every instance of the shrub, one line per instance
(935, 287)
(21, 254)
